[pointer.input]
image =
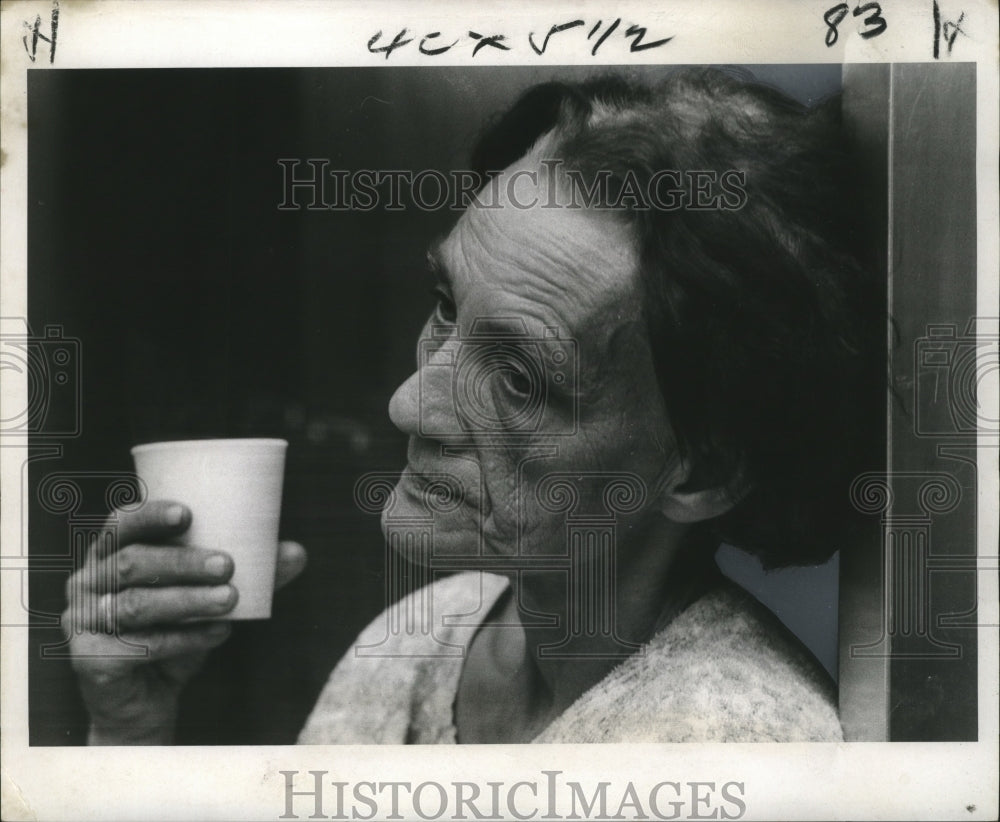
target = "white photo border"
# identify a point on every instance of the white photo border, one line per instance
(795, 781)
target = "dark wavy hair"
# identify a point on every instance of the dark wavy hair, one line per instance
(768, 332)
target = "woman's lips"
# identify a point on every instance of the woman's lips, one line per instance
(448, 488)
(426, 463)
(422, 480)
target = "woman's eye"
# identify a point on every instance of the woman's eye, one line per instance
(445, 309)
(519, 382)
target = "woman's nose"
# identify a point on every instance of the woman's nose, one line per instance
(404, 406)
(422, 406)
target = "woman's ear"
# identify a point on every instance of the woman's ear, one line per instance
(681, 504)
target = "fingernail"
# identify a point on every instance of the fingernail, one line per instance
(217, 565)
(221, 595)
(174, 515)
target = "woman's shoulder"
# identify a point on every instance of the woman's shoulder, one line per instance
(439, 612)
(764, 681)
(395, 671)
(724, 670)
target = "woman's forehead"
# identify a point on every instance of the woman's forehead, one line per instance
(518, 243)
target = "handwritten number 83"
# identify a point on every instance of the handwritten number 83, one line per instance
(874, 23)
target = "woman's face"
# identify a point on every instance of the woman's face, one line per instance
(534, 393)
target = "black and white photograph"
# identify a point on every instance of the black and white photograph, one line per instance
(579, 386)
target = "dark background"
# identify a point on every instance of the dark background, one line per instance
(204, 310)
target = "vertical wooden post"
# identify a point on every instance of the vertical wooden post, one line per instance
(908, 634)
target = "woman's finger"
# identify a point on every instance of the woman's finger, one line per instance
(151, 565)
(136, 609)
(292, 559)
(155, 521)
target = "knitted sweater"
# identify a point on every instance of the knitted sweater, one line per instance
(724, 670)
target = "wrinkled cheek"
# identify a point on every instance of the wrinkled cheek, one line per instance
(509, 512)
(503, 504)
(518, 519)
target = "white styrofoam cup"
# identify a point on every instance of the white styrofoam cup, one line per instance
(233, 488)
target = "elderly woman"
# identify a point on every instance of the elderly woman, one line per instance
(676, 262)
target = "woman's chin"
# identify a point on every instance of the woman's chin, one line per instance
(428, 537)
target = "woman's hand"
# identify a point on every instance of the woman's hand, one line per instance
(140, 592)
